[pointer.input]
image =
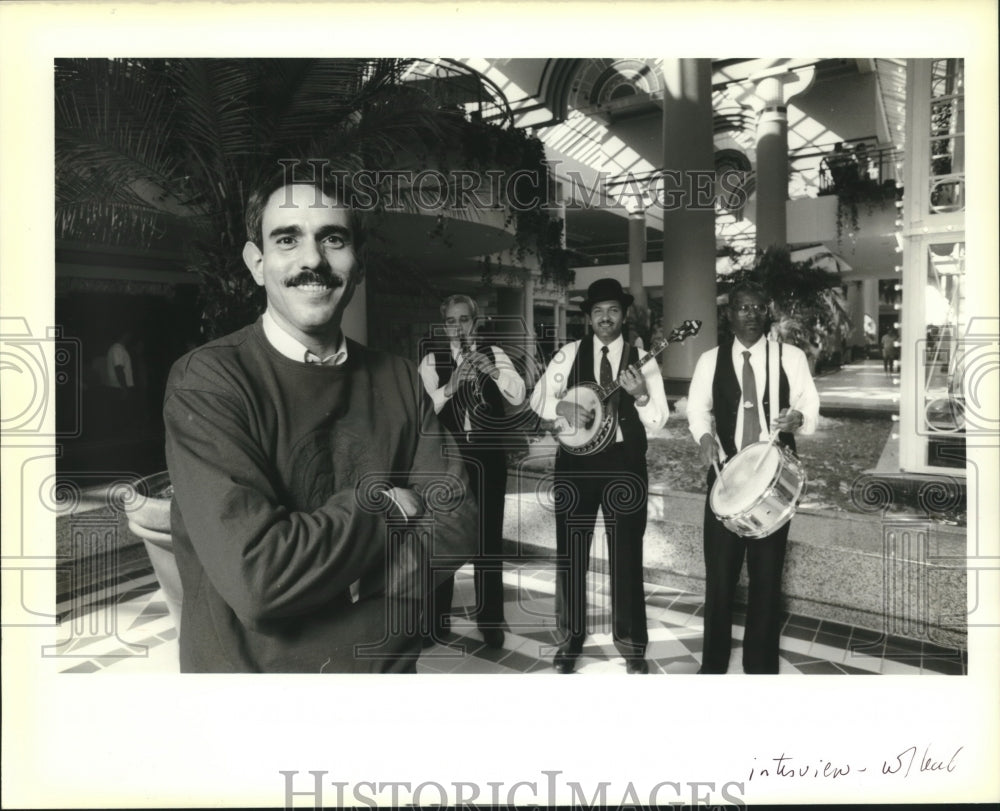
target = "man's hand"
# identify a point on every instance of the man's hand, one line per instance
(634, 383)
(789, 420)
(575, 414)
(483, 365)
(406, 501)
(471, 366)
(709, 449)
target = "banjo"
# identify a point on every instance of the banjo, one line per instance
(599, 432)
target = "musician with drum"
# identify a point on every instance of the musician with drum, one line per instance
(760, 393)
(469, 384)
(610, 474)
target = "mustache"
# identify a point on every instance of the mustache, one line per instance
(314, 277)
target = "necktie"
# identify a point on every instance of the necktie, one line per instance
(751, 422)
(605, 368)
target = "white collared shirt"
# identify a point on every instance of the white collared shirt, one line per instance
(552, 387)
(509, 382)
(802, 394)
(294, 349)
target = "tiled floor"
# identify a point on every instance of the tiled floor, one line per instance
(862, 385)
(126, 628)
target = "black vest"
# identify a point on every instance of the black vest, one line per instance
(633, 431)
(727, 397)
(486, 413)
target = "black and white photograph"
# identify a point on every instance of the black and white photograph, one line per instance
(353, 399)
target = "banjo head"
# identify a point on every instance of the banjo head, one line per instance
(581, 438)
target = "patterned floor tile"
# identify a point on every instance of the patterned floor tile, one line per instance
(142, 638)
(931, 665)
(798, 632)
(789, 643)
(893, 668)
(830, 653)
(820, 668)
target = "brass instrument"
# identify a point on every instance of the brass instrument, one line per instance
(466, 356)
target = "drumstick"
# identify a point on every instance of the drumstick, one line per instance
(770, 441)
(715, 464)
(718, 474)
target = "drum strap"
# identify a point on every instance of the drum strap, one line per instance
(773, 379)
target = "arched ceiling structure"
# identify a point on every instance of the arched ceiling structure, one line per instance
(601, 119)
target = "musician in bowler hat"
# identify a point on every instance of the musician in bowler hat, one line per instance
(614, 478)
(732, 383)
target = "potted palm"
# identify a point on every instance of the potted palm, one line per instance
(149, 518)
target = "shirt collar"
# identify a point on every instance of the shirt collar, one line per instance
(615, 347)
(739, 349)
(294, 349)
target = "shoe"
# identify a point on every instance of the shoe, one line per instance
(636, 666)
(565, 660)
(494, 637)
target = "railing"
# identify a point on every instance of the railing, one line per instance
(858, 163)
(456, 84)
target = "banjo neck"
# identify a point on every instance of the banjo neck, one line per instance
(677, 335)
(606, 392)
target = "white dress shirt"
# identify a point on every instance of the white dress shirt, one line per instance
(118, 356)
(552, 387)
(802, 394)
(509, 382)
(292, 348)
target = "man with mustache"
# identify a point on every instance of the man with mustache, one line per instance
(300, 462)
(614, 478)
(732, 383)
(469, 384)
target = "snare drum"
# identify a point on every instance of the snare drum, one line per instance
(753, 502)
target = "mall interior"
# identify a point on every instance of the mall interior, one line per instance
(670, 176)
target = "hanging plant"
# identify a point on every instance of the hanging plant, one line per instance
(852, 193)
(525, 183)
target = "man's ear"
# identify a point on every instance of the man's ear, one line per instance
(254, 260)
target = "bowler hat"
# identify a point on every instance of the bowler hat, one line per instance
(605, 290)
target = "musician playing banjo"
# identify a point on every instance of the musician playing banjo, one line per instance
(469, 384)
(734, 383)
(613, 478)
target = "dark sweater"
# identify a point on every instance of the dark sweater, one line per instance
(270, 461)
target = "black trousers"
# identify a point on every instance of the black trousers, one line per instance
(487, 471)
(616, 481)
(724, 555)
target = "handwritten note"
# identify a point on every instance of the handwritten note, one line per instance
(911, 761)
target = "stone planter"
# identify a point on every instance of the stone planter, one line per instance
(149, 518)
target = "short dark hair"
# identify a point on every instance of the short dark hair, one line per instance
(335, 186)
(748, 287)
